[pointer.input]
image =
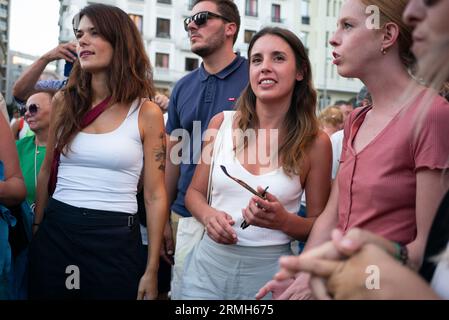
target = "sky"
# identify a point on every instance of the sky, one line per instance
(34, 26)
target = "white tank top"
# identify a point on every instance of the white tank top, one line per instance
(101, 171)
(230, 197)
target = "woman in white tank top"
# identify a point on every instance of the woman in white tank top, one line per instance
(232, 262)
(90, 220)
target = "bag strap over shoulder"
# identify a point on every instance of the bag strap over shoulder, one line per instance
(87, 119)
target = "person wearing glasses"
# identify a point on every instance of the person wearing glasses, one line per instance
(32, 149)
(213, 87)
(103, 132)
(392, 173)
(251, 217)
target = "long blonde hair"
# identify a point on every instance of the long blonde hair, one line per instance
(301, 124)
(433, 68)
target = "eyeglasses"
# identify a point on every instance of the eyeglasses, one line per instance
(262, 195)
(32, 109)
(201, 18)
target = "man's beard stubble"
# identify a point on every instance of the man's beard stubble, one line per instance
(214, 43)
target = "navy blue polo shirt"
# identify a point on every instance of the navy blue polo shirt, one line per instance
(195, 99)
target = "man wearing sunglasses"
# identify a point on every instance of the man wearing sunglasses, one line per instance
(212, 88)
(32, 149)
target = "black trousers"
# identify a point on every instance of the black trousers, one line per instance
(99, 250)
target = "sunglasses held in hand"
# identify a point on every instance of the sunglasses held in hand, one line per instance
(262, 195)
(201, 18)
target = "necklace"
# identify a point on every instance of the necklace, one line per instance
(36, 152)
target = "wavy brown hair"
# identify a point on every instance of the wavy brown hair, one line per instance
(300, 123)
(129, 74)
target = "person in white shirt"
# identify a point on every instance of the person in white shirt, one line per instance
(245, 234)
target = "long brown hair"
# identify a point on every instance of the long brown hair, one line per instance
(301, 124)
(129, 74)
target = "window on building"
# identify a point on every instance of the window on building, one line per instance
(164, 1)
(249, 35)
(304, 38)
(324, 101)
(163, 28)
(251, 8)
(138, 21)
(162, 60)
(276, 13)
(305, 20)
(305, 11)
(191, 64)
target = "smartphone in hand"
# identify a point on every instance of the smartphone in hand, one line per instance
(68, 66)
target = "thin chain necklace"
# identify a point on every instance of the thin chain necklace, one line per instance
(36, 152)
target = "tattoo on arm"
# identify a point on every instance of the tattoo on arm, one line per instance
(160, 153)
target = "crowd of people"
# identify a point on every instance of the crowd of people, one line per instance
(202, 194)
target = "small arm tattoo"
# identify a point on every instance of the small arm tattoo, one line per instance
(160, 153)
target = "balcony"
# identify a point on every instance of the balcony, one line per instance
(183, 44)
(275, 19)
(253, 14)
(163, 35)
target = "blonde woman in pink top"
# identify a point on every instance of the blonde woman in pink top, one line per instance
(389, 181)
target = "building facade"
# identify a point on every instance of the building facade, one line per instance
(161, 25)
(4, 44)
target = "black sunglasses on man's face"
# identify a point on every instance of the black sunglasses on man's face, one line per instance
(200, 18)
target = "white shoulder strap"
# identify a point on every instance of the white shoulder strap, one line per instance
(227, 121)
